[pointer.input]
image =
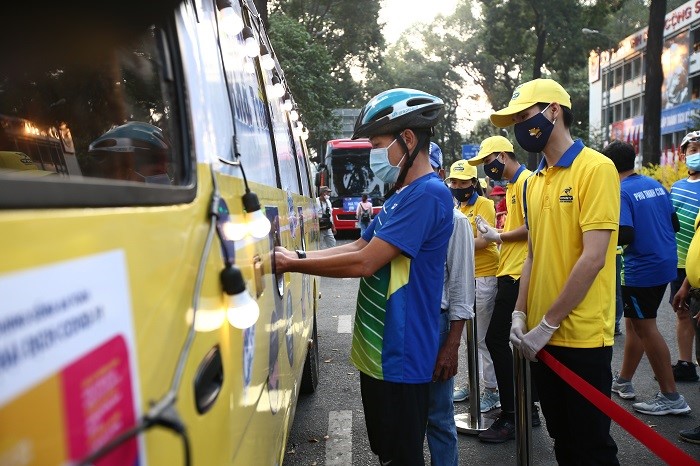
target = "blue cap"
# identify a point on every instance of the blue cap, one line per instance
(435, 156)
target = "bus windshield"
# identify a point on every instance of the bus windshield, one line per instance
(351, 176)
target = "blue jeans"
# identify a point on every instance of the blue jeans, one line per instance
(442, 432)
(363, 227)
(618, 293)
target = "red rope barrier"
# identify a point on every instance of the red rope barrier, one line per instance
(658, 444)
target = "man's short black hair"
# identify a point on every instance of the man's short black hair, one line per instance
(622, 154)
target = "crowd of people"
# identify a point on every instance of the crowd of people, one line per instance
(552, 262)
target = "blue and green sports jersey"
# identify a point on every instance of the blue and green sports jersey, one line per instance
(685, 197)
(396, 332)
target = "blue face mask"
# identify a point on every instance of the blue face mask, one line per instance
(380, 165)
(693, 162)
(494, 170)
(462, 194)
(532, 134)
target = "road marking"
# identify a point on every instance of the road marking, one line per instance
(339, 443)
(345, 324)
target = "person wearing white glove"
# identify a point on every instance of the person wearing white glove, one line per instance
(533, 341)
(500, 163)
(567, 282)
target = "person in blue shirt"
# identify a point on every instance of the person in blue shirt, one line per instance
(400, 260)
(647, 233)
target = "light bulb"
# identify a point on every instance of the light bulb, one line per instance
(266, 60)
(294, 115)
(250, 44)
(304, 135)
(258, 224)
(236, 229)
(287, 104)
(231, 23)
(243, 311)
(300, 125)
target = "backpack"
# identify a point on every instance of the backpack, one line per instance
(365, 216)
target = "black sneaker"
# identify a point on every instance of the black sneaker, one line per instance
(690, 435)
(502, 430)
(684, 371)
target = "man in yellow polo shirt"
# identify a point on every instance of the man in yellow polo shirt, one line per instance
(500, 163)
(566, 300)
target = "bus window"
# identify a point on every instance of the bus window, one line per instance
(122, 127)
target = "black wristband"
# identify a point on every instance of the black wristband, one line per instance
(301, 254)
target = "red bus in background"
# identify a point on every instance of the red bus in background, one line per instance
(345, 170)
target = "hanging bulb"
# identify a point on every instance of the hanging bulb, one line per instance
(294, 115)
(305, 134)
(300, 126)
(258, 224)
(266, 61)
(231, 23)
(287, 103)
(243, 311)
(250, 45)
(276, 89)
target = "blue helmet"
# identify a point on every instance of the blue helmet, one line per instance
(395, 110)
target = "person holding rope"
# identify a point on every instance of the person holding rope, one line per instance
(566, 296)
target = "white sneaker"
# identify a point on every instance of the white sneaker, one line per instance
(660, 405)
(625, 389)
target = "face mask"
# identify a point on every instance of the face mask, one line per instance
(494, 170)
(533, 133)
(693, 162)
(462, 194)
(380, 165)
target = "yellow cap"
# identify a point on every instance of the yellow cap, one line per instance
(494, 144)
(16, 162)
(461, 170)
(528, 94)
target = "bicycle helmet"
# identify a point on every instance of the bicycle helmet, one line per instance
(134, 136)
(395, 110)
(693, 136)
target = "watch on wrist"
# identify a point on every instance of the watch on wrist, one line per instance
(301, 254)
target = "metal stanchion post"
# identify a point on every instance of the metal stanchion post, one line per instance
(472, 422)
(523, 408)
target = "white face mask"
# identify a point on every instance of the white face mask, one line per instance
(380, 165)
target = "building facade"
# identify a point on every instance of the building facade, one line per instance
(616, 77)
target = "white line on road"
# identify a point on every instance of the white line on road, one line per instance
(339, 443)
(345, 324)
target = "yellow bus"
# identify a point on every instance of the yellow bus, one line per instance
(148, 166)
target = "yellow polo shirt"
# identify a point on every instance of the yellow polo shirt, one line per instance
(692, 261)
(485, 260)
(580, 193)
(513, 253)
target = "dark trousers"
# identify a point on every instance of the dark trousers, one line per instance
(580, 431)
(396, 416)
(498, 341)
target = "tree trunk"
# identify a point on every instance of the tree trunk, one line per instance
(651, 142)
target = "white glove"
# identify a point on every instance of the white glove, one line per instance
(487, 231)
(518, 327)
(535, 339)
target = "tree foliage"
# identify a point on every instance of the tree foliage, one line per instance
(410, 64)
(348, 30)
(307, 66)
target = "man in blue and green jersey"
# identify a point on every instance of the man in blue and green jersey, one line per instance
(401, 259)
(685, 196)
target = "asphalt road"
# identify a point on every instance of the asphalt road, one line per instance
(329, 425)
